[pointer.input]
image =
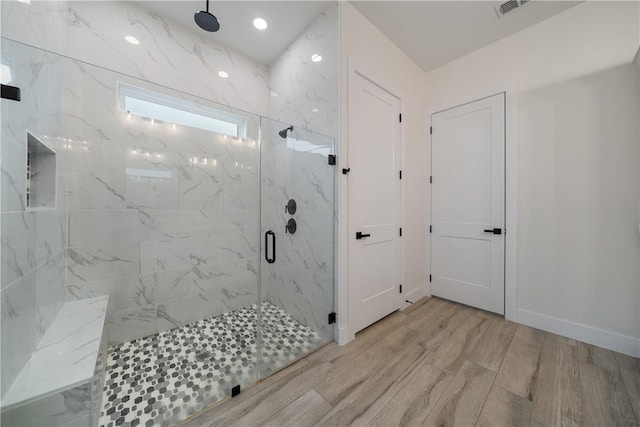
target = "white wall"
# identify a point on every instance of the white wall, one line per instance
(572, 161)
(371, 52)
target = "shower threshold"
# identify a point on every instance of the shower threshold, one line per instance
(164, 378)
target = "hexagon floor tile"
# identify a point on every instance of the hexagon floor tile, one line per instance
(167, 377)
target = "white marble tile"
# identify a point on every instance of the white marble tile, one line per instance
(94, 32)
(177, 254)
(13, 169)
(65, 357)
(50, 292)
(69, 407)
(18, 246)
(302, 85)
(292, 280)
(35, 72)
(127, 325)
(50, 233)
(102, 227)
(158, 224)
(29, 239)
(236, 276)
(16, 21)
(180, 311)
(313, 178)
(200, 185)
(89, 263)
(96, 175)
(138, 291)
(200, 217)
(19, 329)
(307, 312)
(241, 186)
(308, 254)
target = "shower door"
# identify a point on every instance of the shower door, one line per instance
(297, 225)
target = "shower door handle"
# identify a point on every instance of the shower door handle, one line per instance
(273, 246)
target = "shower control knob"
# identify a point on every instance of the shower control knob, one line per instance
(291, 226)
(291, 207)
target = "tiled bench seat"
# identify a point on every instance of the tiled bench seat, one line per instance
(61, 383)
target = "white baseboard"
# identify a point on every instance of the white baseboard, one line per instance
(585, 333)
(344, 336)
(416, 294)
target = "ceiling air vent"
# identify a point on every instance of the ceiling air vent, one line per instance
(509, 6)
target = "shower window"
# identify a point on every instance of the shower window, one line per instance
(164, 108)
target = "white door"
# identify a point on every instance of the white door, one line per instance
(374, 200)
(468, 188)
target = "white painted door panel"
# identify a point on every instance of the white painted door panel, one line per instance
(373, 193)
(468, 191)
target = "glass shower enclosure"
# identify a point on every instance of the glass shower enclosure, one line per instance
(198, 238)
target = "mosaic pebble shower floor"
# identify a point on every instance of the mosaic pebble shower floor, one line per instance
(167, 377)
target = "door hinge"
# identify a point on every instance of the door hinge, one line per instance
(332, 318)
(400, 117)
(400, 288)
(400, 231)
(430, 130)
(430, 228)
(332, 159)
(400, 174)
(431, 180)
(235, 391)
(429, 278)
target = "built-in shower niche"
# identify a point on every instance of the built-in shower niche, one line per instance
(41, 174)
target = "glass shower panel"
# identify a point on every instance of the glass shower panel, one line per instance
(160, 215)
(297, 217)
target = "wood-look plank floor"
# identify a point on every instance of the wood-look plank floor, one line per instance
(439, 363)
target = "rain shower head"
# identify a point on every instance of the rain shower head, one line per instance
(207, 21)
(283, 132)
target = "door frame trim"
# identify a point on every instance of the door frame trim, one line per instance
(510, 206)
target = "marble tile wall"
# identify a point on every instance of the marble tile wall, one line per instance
(69, 408)
(301, 279)
(33, 241)
(162, 218)
(304, 94)
(160, 247)
(169, 55)
(168, 250)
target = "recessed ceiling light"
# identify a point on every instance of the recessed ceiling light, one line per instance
(223, 74)
(273, 93)
(132, 40)
(260, 23)
(316, 58)
(314, 110)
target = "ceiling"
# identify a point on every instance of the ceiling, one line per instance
(433, 33)
(286, 19)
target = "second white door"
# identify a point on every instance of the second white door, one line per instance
(374, 200)
(468, 200)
